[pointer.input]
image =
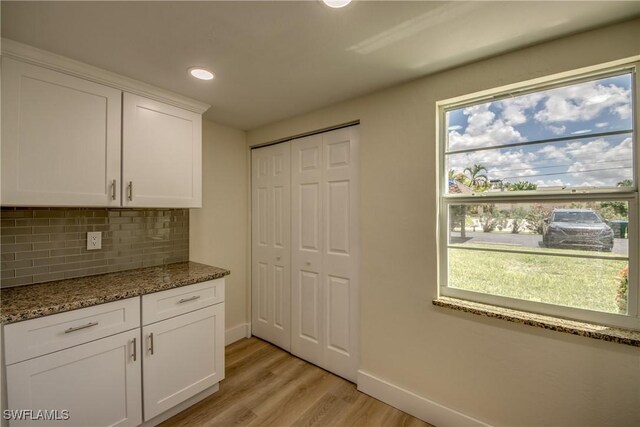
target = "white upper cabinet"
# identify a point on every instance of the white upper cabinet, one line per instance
(60, 139)
(162, 154)
(76, 135)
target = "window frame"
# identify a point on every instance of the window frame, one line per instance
(629, 194)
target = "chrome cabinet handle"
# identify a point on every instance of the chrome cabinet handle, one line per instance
(193, 298)
(151, 343)
(77, 328)
(113, 189)
(135, 349)
(130, 190)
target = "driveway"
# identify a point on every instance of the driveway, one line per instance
(620, 246)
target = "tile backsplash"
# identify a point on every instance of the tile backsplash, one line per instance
(44, 244)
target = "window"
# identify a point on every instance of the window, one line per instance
(538, 197)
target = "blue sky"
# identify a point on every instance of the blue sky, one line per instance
(584, 109)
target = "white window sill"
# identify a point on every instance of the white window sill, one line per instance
(590, 330)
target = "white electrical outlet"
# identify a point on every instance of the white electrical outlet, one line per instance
(94, 240)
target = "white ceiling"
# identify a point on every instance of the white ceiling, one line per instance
(275, 60)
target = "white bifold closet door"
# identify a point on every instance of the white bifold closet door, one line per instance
(324, 257)
(305, 248)
(271, 244)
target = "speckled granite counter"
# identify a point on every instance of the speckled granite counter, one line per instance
(590, 330)
(29, 302)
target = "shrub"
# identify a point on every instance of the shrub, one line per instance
(490, 221)
(623, 288)
(535, 218)
(518, 217)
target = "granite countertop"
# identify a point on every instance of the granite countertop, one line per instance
(32, 301)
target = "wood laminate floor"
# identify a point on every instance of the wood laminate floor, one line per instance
(266, 386)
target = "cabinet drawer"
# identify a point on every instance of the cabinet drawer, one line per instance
(174, 302)
(32, 338)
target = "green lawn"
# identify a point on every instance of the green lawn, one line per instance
(576, 282)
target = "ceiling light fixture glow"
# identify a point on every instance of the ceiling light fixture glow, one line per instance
(201, 73)
(336, 4)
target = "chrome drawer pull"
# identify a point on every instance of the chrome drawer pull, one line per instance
(193, 298)
(135, 350)
(77, 328)
(151, 343)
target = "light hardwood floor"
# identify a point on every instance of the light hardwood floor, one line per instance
(266, 386)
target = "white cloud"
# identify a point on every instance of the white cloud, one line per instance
(500, 163)
(557, 130)
(513, 110)
(584, 102)
(483, 129)
(552, 152)
(550, 183)
(455, 127)
(624, 111)
(602, 124)
(580, 132)
(600, 150)
(603, 164)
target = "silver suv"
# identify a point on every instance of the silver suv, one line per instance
(577, 228)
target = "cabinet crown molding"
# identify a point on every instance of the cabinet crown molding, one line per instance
(42, 58)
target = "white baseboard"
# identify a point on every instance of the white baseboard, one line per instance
(409, 402)
(236, 333)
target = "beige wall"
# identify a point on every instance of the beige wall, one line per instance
(218, 231)
(499, 372)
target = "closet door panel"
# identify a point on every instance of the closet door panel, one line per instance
(271, 244)
(340, 275)
(306, 258)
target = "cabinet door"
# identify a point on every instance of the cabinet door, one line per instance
(60, 139)
(162, 154)
(271, 244)
(183, 356)
(98, 383)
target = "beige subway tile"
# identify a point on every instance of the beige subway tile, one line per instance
(31, 255)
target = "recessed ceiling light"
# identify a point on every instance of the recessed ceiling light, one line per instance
(201, 73)
(336, 3)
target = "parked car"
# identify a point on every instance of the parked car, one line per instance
(577, 228)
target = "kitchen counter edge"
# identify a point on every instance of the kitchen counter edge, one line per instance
(33, 301)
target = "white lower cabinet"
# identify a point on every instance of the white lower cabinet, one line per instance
(183, 356)
(91, 367)
(97, 384)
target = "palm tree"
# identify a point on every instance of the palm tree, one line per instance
(477, 179)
